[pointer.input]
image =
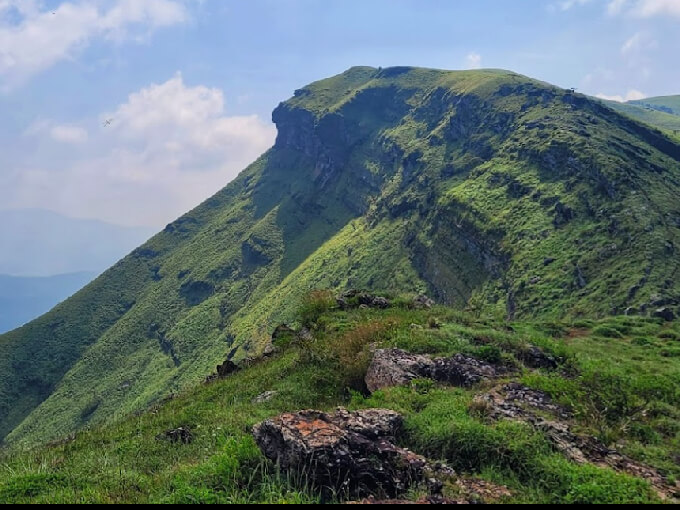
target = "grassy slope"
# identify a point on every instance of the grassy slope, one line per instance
(620, 364)
(668, 104)
(400, 179)
(649, 114)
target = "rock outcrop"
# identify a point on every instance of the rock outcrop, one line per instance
(357, 299)
(519, 403)
(394, 367)
(222, 371)
(348, 455)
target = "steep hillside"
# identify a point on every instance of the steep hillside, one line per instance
(619, 378)
(485, 189)
(24, 299)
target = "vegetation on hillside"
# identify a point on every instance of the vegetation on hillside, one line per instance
(663, 113)
(620, 376)
(490, 191)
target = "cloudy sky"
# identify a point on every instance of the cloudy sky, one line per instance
(133, 111)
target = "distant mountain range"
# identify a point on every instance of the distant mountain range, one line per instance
(22, 299)
(661, 112)
(43, 243)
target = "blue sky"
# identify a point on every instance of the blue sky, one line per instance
(188, 85)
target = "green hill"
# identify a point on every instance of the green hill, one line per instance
(661, 112)
(666, 104)
(619, 376)
(485, 189)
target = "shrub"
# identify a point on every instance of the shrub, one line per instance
(607, 332)
(314, 305)
(490, 354)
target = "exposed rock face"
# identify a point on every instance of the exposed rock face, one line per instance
(223, 371)
(394, 367)
(462, 371)
(519, 403)
(346, 454)
(665, 314)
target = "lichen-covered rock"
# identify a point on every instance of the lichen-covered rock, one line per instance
(350, 455)
(462, 370)
(394, 367)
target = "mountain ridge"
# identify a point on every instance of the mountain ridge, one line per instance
(486, 189)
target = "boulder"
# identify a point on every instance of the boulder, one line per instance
(423, 302)
(665, 314)
(462, 370)
(346, 455)
(394, 367)
(223, 371)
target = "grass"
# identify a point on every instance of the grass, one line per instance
(484, 189)
(607, 387)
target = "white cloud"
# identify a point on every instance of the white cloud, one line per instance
(167, 148)
(69, 134)
(473, 61)
(33, 38)
(638, 44)
(65, 133)
(631, 95)
(565, 5)
(645, 8)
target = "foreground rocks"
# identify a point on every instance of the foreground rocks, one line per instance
(519, 403)
(349, 454)
(353, 456)
(394, 367)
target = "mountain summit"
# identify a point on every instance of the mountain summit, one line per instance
(484, 189)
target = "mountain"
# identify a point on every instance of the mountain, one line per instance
(485, 189)
(661, 112)
(666, 104)
(23, 299)
(44, 243)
